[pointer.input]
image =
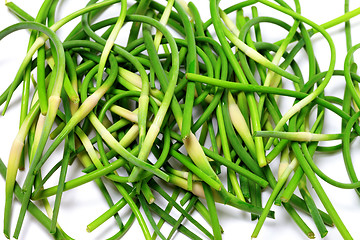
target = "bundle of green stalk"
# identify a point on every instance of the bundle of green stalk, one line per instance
(183, 111)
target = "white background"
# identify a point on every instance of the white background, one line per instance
(82, 205)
